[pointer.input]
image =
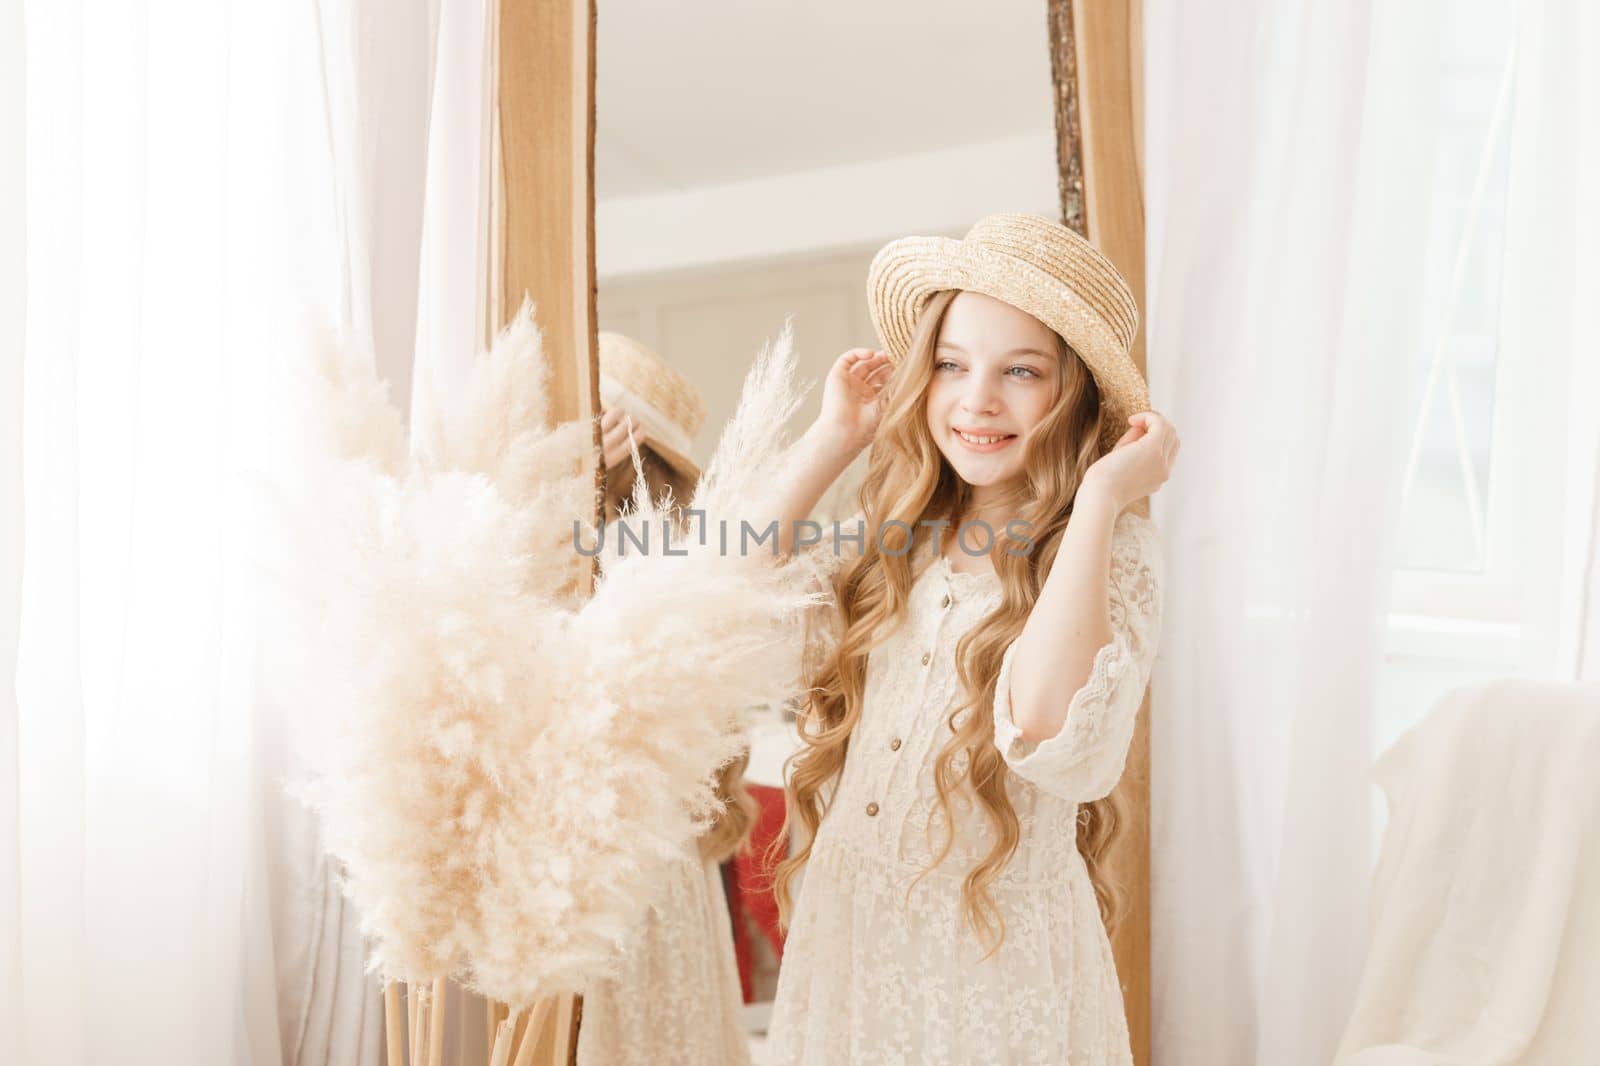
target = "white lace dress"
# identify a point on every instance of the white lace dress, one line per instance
(872, 976)
(676, 1001)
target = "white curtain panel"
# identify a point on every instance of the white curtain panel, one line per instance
(13, 297)
(156, 143)
(1289, 151)
(190, 183)
(1551, 327)
(451, 314)
(371, 84)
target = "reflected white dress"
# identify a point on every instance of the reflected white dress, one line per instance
(872, 976)
(677, 998)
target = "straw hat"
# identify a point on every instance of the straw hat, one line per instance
(659, 398)
(1033, 264)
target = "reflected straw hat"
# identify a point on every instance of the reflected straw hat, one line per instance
(1036, 265)
(660, 399)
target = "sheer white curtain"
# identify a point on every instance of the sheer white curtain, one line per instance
(1290, 150)
(186, 182)
(371, 77)
(13, 295)
(1551, 333)
(155, 140)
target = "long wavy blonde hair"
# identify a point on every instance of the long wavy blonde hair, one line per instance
(737, 809)
(909, 480)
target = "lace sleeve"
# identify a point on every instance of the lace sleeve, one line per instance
(1084, 760)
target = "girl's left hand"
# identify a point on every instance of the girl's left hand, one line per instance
(1139, 464)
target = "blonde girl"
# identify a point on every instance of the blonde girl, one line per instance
(973, 689)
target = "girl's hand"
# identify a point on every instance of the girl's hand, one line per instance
(850, 397)
(1139, 464)
(614, 426)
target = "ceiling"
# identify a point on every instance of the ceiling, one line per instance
(719, 91)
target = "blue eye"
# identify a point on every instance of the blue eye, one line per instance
(1027, 371)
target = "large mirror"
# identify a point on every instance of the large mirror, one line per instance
(750, 158)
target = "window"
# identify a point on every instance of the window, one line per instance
(1455, 595)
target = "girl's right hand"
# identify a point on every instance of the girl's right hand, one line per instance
(851, 393)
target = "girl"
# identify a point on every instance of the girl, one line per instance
(677, 998)
(973, 691)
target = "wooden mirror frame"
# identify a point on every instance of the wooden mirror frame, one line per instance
(542, 246)
(1096, 67)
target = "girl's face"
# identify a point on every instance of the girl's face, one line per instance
(996, 372)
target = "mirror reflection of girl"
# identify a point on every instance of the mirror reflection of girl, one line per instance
(971, 708)
(677, 998)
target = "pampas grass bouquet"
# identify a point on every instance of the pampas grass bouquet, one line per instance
(502, 763)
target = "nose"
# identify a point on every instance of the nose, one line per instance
(981, 396)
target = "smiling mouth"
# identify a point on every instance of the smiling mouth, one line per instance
(987, 440)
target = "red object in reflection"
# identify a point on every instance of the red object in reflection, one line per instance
(750, 898)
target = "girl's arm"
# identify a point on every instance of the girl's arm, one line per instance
(846, 425)
(815, 462)
(1070, 622)
(1083, 761)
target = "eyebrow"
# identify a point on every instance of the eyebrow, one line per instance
(1014, 351)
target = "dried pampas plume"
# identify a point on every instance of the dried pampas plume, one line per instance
(502, 770)
(676, 646)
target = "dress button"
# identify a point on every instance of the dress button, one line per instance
(872, 810)
(925, 657)
(945, 602)
(894, 745)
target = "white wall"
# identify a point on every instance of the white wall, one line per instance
(826, 209)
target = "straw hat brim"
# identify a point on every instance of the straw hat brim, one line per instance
(656, 394)
(906, 273)
(663, 436)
